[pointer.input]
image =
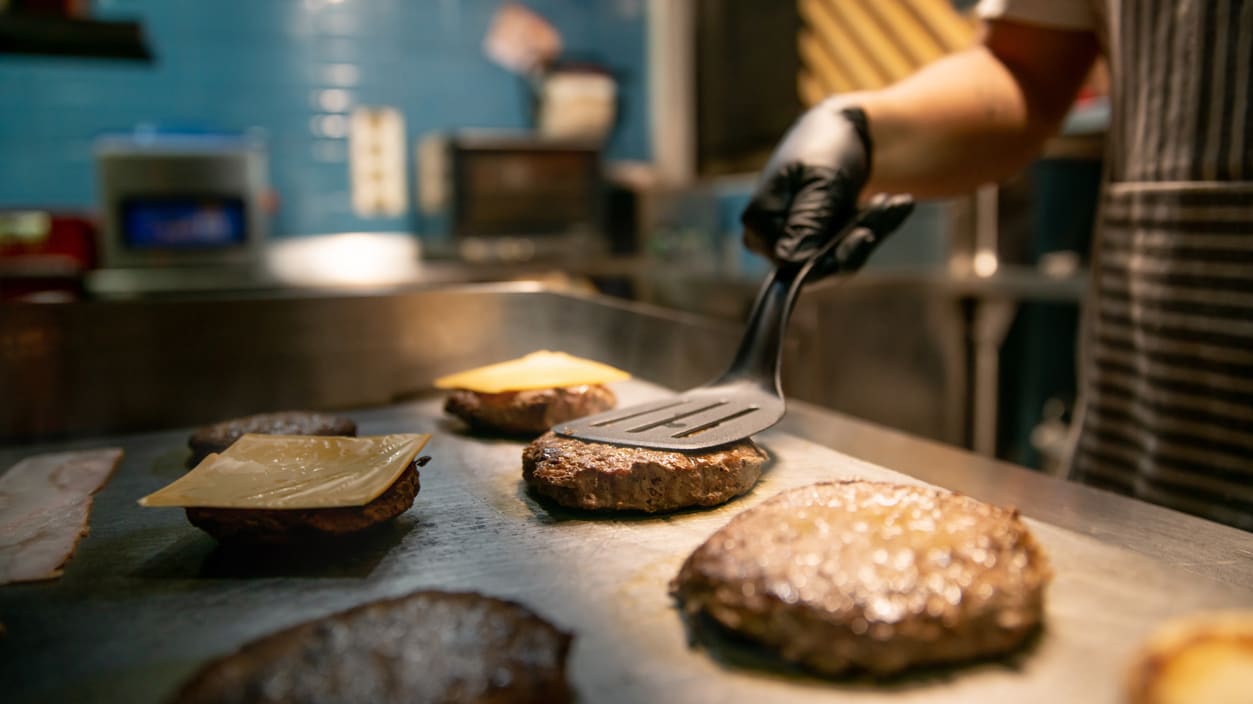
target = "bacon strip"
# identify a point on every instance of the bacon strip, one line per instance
(45, 502)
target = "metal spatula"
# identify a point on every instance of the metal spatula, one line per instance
(748, 397)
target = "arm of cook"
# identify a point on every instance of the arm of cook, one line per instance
(978, 115)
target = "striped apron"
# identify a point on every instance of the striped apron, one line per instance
(1167, 363)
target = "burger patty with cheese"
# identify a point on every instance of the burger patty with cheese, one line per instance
(290, 488)
(529, 395)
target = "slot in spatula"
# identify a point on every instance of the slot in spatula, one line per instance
(748, 397)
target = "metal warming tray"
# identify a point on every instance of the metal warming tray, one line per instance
(148, 598)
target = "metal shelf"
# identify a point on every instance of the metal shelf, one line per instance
(58, 36)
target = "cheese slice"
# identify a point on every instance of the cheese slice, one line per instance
(293, 471)
(538, 370)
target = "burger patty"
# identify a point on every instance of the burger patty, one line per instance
(428, 646)
(871, 576)
(282, 526)
(528, 412)
(599, 476)
(219, 436)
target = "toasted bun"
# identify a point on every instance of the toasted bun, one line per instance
(1206, 657)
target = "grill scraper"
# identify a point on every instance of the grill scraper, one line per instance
(748, 397)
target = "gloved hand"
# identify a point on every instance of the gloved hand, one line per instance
(880, 218)
(809, 188)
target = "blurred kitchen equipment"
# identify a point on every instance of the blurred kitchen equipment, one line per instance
(576, 102)
(515, 196)
(44, 255)
(66, 28)
(570, 100)
(376, 162)
(345, 260)
(60, 8)
(181, 199)
(521, 40)
(748, 397)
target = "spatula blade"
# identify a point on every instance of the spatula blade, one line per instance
(697, 420)
(748, 397)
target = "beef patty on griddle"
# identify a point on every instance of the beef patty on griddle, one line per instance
(600, 476)
(425, 647)
(871, 576)
(528, 412)
(219, 436)
(283, 526)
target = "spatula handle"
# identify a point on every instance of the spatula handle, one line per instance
(760, 353)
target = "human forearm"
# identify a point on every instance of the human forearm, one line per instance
(974, 117)
(977, 116)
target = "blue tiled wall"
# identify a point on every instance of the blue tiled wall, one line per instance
(239, 64)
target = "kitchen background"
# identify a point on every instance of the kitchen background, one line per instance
(961, 329)
(295, 69)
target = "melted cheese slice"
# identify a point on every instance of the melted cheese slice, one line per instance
(538, 370)
(293, 471)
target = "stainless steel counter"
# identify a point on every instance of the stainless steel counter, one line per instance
(148, 597)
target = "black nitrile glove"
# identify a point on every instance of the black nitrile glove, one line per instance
(880, 218)
(810, 186)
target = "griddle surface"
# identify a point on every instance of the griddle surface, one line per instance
(148, 597)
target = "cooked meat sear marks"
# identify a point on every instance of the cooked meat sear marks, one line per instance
(600, 476)
(530, 412)
(295, 525)
(219, 436)
(425, 647)
(871, 576)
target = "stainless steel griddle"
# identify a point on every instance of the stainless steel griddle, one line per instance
(148, 597)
